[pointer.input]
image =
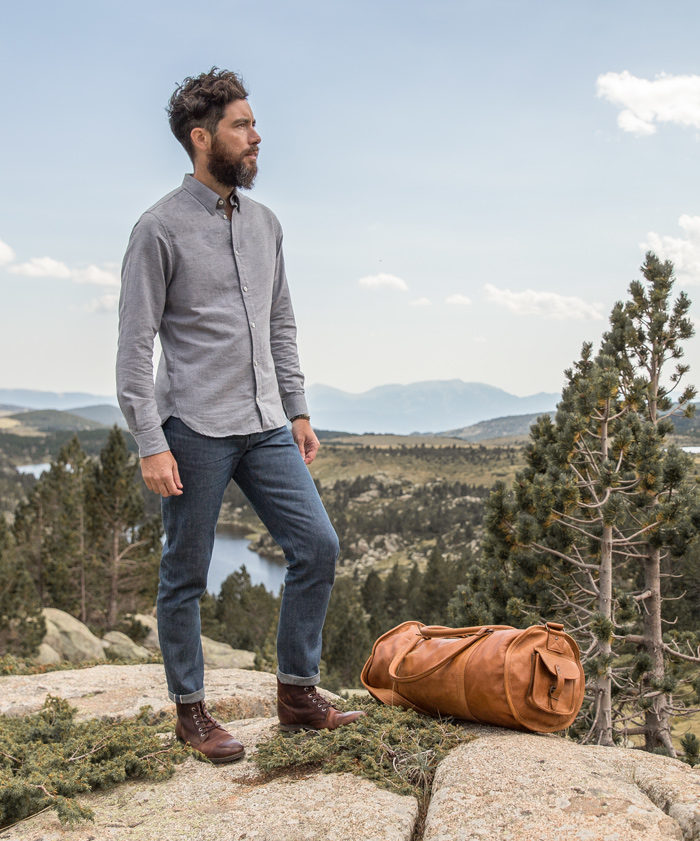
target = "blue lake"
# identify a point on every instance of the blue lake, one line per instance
(231, 553)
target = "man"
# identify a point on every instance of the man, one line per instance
(204, 270)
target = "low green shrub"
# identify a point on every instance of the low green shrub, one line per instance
(48, 758)
(395, 748)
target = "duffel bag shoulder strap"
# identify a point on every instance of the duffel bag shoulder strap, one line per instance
(469, 635)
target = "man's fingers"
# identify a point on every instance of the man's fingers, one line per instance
(161, 475)
(171, 489)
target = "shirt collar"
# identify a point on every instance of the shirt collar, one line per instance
(208, 197)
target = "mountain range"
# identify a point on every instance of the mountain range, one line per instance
(430, 406)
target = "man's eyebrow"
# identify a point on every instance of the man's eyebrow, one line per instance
(244, 121)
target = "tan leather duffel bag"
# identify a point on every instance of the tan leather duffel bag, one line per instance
(493, 674)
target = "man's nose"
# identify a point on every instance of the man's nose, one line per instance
(254, 137)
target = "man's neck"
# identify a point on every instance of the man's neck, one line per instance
(202, 174)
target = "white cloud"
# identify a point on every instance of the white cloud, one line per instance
(41, 267)
(107, 275)
(683, 252)
(105, 303)
(458, 300)
(7, 255)
(420, 302)
(666, 99)
(386, 281)
(543, 304)
(95, 275)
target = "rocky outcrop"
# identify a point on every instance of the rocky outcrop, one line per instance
(232, 804)
(120, 647)
(69, 638)
(108, 691)
(502, 786)
(508, 785)
(150, 641)
(47, 656)
(219, 655)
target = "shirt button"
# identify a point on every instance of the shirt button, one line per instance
(252, 324)
(220, 203)
(245, 288)
(238, 253)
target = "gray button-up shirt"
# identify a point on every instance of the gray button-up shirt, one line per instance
(216, 293)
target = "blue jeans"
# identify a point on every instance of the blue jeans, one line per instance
(269, 469)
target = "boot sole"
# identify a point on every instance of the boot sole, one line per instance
(220, 760)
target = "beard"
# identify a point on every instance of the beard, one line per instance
(229, 171)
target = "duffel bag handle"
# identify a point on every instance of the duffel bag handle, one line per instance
(401, 655)
(442, 632)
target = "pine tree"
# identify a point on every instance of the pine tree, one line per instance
(73, 466)
(372, 592)
(647, 334)
(22, 626)
(436, 589)
(51, 532)
(599, 502)
(394, 597)
(246, 612)
(31, 528)
(127, 547)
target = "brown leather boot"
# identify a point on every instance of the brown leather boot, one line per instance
(197, 728)
(302, 708)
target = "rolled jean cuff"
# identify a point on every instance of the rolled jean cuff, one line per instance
(192, 698)
(299, 681)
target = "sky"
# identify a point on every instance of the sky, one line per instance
(465, 188)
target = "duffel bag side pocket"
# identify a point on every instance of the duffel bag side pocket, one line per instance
(553, 682)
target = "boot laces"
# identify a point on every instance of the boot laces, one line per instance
(322, 703)
(203, 720)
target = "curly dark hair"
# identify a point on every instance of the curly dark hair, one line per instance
(200, 102)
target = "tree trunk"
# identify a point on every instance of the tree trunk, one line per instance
(657, 728)
(40, 550)
(114, 580)
(603, 714)
(83, 597)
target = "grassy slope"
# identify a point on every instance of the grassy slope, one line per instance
(382, 457)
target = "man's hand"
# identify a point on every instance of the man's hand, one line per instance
(160, 474)
(305, 438)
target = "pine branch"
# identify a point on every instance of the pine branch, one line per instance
(674, 653)
(540, 548)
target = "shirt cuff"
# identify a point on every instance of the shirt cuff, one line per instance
(295, 404)
(151, 442)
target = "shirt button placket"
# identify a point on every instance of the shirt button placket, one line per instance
(248, 304)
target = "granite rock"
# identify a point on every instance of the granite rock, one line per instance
(523, 787)
(121, 647)
(502, 786)
(69, 638)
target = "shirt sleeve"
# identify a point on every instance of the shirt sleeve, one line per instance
(146, 272)
(283, 343)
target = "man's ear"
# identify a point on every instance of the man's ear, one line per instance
(201, 139)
